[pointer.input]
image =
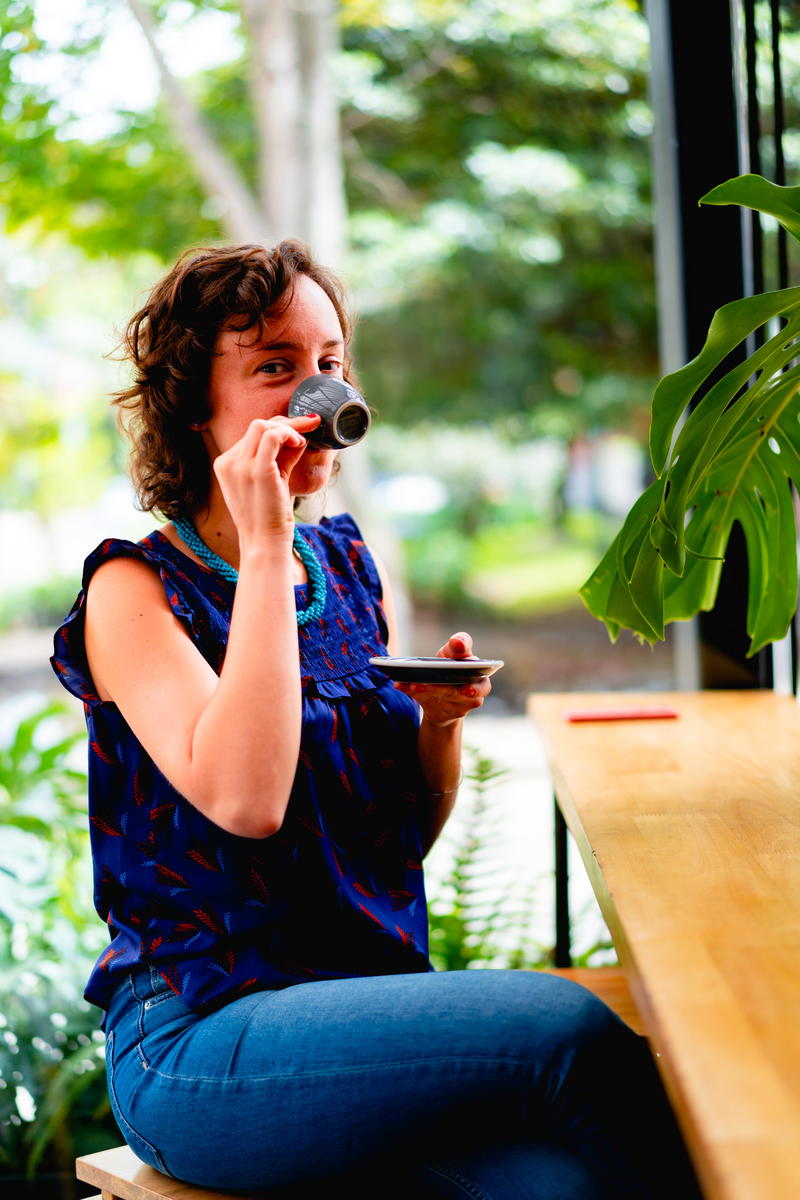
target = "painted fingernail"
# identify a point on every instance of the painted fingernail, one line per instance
(470, 691)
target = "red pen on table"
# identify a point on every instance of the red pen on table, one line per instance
(622, 713)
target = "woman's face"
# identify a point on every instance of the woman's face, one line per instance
(254, 376)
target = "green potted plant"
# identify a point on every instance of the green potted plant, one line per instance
(731, 460)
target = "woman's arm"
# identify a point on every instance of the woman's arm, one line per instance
(228, 743)
(443, 710)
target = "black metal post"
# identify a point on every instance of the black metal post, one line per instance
(563, 949)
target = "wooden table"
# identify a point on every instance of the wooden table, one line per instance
(690, 832)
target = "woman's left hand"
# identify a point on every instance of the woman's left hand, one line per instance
(442, 705)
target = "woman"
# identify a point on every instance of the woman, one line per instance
(261, 799)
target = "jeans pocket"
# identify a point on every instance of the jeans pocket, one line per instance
(139, 1145)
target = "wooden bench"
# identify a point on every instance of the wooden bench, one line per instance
(122, 1176)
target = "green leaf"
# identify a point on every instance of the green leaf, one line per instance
(730, 326)
(734, 458)
(607, 592)
(753, 191)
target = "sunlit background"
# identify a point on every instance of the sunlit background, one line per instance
(478, 172)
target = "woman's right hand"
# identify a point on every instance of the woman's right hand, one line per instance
(254, 475)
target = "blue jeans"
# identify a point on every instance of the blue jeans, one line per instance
(495, 1085)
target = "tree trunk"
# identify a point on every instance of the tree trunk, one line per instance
(244, 220)
(275, 92)
(320, 131)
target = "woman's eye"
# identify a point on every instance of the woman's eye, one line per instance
(272, 368)
(330, 365)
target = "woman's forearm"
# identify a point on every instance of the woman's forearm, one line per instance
(246, 741)
(440, 758)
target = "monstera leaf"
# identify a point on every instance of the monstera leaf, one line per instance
(733, 459)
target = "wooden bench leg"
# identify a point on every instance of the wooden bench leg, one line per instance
(609, 985)
(563, 949)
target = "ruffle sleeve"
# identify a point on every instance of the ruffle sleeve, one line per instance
(69, 660)
(368, 680)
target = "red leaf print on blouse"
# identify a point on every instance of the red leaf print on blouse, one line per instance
(336, 863)
(308, 824)
(105, 827)
(208, 919)
(244, 987)
(103, 754)
(165, 875)
(372, 915)
(161, 810)
(400, 898)
(258, 882)
(200, 858)
(186, 927)
(170, 977)
(138, 793)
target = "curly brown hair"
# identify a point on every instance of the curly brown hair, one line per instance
(170, 343)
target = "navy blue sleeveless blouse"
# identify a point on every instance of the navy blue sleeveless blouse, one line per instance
(338, 891)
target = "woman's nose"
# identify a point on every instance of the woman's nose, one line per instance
(301, 372)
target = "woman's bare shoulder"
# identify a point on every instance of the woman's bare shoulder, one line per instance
(120, 583)
(128, 618)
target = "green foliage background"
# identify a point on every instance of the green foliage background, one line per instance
(497, 177)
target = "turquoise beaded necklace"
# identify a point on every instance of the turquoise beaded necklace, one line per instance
(316, 576)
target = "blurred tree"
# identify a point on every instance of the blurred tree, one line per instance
(292, 184)
(298, 187)
(497, 180)
(38, 465)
